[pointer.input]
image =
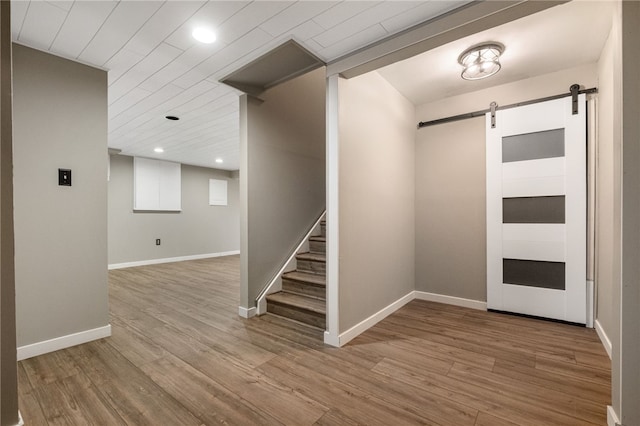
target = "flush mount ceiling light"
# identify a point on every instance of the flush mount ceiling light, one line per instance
(204, 35)
(481, 61)
(219, 160)
(158, 150)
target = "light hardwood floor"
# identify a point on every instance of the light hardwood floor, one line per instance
(180, 355)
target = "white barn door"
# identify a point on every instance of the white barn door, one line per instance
(536, 210)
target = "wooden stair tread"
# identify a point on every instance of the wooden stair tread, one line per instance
(298, 301)
(311, 327)
(306, 277)
(317, 257)
(303, 293)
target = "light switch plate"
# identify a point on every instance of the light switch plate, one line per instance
(64, 177)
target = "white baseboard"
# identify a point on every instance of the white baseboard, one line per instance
(51, 345)
(246, 312)
(353, 332)
(603, 337)
(364, 325)
(20, 419)
(331, 339)
(171, 259)
(451, 300)
(612, 417)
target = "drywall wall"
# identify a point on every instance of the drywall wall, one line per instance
(376, 197)
(283, 165)
(626, 387)
(8, 365)
(60, 121)
(450, 183)
(199, 229)
(451, 210)
(606, 182)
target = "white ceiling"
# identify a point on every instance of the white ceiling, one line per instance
(157, 69)
(558, 38)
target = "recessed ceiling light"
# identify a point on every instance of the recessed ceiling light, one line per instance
(219, 160)
(204, 35)
(158, 150)
(172, 117)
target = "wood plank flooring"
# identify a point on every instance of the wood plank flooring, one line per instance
(180, 355)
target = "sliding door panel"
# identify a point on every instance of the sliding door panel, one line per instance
(536, 210)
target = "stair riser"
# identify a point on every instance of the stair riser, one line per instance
(317, 246)
(305, 289)
(307, 317)
(312, 266)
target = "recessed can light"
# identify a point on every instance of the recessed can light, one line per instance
(204, 35)
(172, 117)
(158, 150)
(219, 160)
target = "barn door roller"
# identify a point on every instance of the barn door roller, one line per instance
(575, 90)
(492, 108)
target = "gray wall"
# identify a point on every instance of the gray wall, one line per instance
(450, 184)
(608, 191)
(60, 121)
(8, 370)
(283, 165)
(625, 366)
(198, 229)
(376, 197)
(451, 214)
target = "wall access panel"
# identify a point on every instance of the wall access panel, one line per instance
(156, 185)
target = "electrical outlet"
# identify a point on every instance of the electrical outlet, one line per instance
(157, 241)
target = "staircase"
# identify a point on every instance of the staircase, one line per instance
(303, 295)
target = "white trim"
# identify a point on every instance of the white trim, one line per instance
(261, 305)
(62, 342)
(276, 281)
(451, 300)
(612, 417)
(20, 419)
(343, 338)
(364, 325)
(246, 312)
(590, 303)
(603, 337)
(331, 340)
(333, 213)
(171, 259)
